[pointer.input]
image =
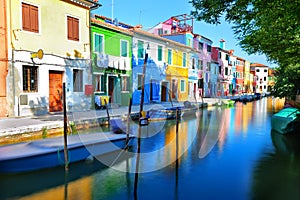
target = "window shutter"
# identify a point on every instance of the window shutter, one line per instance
(70, 30)
(25, 17)
(76, 29)
(34, 20)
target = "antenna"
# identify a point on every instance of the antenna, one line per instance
(112, 9)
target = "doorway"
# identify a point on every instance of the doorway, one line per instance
(55, 91)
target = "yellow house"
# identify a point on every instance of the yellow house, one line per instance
(177, 55)
(247, 77)
(48, 43)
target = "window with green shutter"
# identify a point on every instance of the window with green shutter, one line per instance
(159, 53)
(124, 48)
(98, 43)
(140, 49)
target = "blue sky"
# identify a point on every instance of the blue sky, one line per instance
(149, 13)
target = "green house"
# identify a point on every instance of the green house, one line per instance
(111, 61)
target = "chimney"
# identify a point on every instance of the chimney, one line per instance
(222, 44)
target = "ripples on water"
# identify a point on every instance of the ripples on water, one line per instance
(223, 154)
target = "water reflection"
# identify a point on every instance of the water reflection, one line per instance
(226, 153)
(277, 174)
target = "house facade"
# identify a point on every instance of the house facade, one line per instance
(260, 77)
(112, 55)
(40, 60)
(156, 87)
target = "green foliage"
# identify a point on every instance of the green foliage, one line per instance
(288, 82)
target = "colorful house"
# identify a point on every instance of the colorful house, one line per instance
(260, 77)
(156, 86)
(112, 53)
(240, 63)
(205, 48)
(177, 70)
(44, 50)
(247, 78)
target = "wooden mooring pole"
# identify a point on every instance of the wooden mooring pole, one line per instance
(136, 177)
(65, 129)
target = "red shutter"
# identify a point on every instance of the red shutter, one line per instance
(73, 28)
(70, 30)
(34, 19)
(76, 29)
(25, 17)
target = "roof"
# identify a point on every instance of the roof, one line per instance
(257, 65)
(110, 26)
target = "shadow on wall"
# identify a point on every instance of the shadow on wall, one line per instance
(38, 107)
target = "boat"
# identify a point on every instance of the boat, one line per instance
(163, 114)
(286, 120)
(228, 102)
(49, 152)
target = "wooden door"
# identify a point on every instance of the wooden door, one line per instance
(55, 91)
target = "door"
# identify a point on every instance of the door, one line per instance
(164, 88)
(55, 91)
(174, 89)
(111, 87)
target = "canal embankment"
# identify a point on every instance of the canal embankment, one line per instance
(16, 129)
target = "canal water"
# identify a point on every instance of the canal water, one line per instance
(222, 153)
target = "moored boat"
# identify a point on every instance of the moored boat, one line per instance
(287, 120)
(48, 153)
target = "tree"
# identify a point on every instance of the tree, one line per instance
(264, 27)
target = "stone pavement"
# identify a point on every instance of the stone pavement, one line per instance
(19, 125)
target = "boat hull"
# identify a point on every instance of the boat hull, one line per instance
(42, 154)
(286, 121)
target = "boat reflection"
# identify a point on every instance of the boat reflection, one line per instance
(61, 183)
(277, 175)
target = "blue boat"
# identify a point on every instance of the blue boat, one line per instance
(48, 153)
(287, 120)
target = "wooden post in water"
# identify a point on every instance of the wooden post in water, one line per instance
(177, 141)
(136, 177)
(65, 128)
(128, 122)
(108, 117)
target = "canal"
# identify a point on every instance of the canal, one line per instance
(223, 153)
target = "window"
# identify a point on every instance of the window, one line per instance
(140, 76)
(73, 28)
(169, 56)
(30, 18)
(124, 48)
(159, 53)
(98, 43)
(140, 49)
(265, 70)
(182, 85)
(193, 63)
(265, 78)
(189, 43)
(208, 66)
(200, 45)
(30, 82)
(226, 71)
(200, 64)
(77, 80)
(220, 55)
(125, 83)
(184, 60)
(100, 83)
(220, 69)
(227, 57)
(160, 31)
(257, 70)
(208, 48)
